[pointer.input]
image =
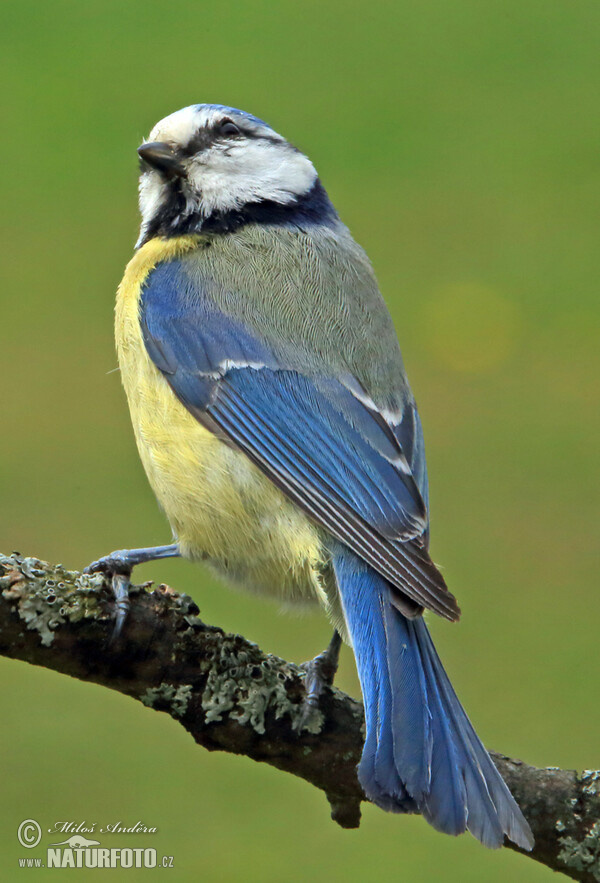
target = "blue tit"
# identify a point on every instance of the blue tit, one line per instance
(278, 430)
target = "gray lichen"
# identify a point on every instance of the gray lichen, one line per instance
(175, 698)
(582, 855)
(590, 780)
(245, 689)
(44, 602)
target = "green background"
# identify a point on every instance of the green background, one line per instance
(460, 142)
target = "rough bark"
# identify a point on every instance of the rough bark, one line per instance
(233, 697)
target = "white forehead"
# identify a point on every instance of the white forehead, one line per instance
(181, 126)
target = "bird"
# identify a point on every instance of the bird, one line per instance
(275, 422)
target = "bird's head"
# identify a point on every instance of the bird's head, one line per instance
(207, 161)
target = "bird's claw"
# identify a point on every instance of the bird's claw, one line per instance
(120, 586)
(320, 673)
(115, 563)
(118, 567)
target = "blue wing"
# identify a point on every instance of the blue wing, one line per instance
(324, 444)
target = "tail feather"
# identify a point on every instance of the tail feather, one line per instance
(444, 807)
(487, 781)
(471, 807)
(421, 752)
(377, 762)
(411, 724)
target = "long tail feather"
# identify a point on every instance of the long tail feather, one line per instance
(421, 752)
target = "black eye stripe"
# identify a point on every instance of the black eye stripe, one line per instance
(206, 136)
(202, 139)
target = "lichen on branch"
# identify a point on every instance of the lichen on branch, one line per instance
(230, 696)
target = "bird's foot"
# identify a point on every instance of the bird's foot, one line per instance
(320, 673)
(121, 584)
(116, 562)
(118, 566)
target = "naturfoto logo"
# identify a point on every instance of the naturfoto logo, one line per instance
(78, 850)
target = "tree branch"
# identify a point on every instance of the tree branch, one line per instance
(233, 697)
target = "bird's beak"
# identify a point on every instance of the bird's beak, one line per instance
(163, 158)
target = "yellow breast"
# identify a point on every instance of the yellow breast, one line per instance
(220, 506)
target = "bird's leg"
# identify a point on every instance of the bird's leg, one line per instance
(320, 673)
(118, 565)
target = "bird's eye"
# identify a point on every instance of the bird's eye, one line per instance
(228, 128)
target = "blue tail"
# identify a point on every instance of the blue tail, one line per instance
(421, 753)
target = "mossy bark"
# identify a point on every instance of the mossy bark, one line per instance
(233, 697)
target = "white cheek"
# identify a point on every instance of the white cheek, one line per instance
(153, 193)
(228, 179)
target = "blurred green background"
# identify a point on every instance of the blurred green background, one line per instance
(460, 142)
